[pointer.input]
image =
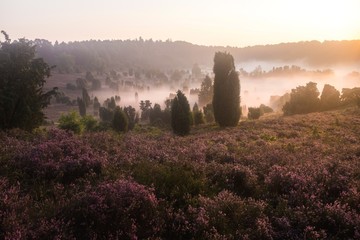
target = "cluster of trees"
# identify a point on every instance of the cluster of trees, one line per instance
(22, 98)
(305, 99)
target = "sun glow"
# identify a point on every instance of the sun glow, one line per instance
(208, 22)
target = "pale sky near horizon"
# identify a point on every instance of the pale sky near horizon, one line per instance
(206, 22)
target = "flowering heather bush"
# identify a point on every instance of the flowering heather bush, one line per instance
(13, 211)
(60, 156)
(235, 218)
(118, 210)
(292, 177)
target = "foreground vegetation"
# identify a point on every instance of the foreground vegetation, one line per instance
(294, 177)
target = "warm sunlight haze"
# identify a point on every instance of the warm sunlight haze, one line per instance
(187, 119)
(221, 23)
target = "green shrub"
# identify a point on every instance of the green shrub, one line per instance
(71, 122)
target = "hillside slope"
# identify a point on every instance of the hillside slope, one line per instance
(292, 177)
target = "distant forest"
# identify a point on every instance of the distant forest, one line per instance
(100, 56)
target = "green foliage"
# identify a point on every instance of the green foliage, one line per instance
(254, 113)
(71, 122)
(180, 115)
(22, 78)
(330, 98)
(89, 123)
(120, 122)
(303, 99)
(226, 99)
(206, 91)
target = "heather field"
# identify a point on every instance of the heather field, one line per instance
(294, 177)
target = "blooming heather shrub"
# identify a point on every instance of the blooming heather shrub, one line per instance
(190, 223)
(282, 180)
(14, 212)
(235, 218)
(237, 178)
(106, 144)
(178, 183)
(118, 210)
(334, 179)
(261, 180)
(339, 220)
(61, 157)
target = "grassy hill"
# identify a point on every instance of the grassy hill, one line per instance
(294, 177)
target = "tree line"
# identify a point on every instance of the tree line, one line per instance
(96, 55)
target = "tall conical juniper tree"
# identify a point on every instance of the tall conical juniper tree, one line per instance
(180, 114)
(226, 100)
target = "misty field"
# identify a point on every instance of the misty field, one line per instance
(279, 177)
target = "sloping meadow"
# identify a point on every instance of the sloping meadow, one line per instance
(280, 178)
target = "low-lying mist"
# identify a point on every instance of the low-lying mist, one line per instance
(258, 84)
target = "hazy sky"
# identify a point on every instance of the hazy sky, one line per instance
(207, 22)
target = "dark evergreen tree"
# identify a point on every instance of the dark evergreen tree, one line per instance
(96, 106)
(180, 114)
(112, 103)
(156, 114)
(226, 99)
(22, 78)
(106, 115)
(82, 107)
(85, 97)
(120, 121)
